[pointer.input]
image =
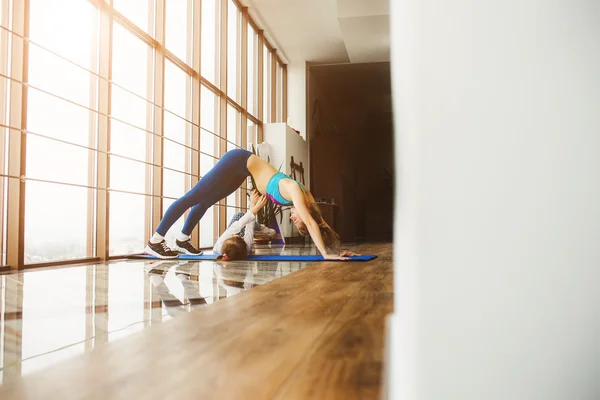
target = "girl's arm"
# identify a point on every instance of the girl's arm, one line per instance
(256, 203)
(249, 235)
(313, 227)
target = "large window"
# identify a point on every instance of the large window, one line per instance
(106, 121)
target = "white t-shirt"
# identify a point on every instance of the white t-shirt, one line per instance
(248, 221)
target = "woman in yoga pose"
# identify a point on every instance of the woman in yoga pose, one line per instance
(222, 180)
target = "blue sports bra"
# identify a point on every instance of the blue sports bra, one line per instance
(273, 189)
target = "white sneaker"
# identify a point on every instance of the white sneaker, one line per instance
(264, 231)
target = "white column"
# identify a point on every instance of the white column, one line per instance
(497, 111)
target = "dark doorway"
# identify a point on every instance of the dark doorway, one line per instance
(350, 130)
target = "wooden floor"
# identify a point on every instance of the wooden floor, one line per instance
(315, 334)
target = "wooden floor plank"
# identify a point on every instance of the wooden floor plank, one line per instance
(346, 362)
(246, 346)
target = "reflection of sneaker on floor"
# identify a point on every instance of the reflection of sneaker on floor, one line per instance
(183, 275)
(197, 301)
(264, 231)
(160, 250)
(186, 247)
(191, 292)
(159, 267)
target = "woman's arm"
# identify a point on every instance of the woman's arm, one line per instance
(313, 227)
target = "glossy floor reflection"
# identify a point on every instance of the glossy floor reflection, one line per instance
(49, 315)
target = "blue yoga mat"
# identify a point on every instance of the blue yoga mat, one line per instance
(262, 257)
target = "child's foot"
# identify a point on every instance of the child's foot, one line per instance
(160, 250)
(264, 231)
(186, 247)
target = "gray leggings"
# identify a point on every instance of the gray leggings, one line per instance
(236, 217)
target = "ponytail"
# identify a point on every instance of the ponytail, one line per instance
(330, 237)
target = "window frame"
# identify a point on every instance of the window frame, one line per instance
(14, 179)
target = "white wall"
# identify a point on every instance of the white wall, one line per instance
(296, 80)
(285, 143)
(497, 246)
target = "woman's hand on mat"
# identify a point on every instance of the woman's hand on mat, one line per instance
(345, 253)
(334, 257)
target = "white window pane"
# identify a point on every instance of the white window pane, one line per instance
(130, 108)
(206, 164)
(127, 175)
(210, 40)
(232, 203)
(127, 221)
(65, 27)
(174, 183)
(234, 51)
(177, 129)
(233, 127)
(55, 222)
(136, 11)
(252, 71)
(55, 161)
(3, 217)
(57, 76)
(178, 23)
(177, 89)
(252, 135)
(128, 141)
(57, 118)
(266, 85)
(209, 110)
(279, 93)
(177, 156)
(208, 143)
(207, 238)
(130, 61)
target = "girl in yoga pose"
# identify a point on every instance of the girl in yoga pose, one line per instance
(222, 180)
(231, 246)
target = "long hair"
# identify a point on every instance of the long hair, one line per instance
(235, 249)
(330, 237)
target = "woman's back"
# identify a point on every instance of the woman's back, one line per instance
(261, 171)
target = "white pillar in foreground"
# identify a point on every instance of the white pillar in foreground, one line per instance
(497, 240)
